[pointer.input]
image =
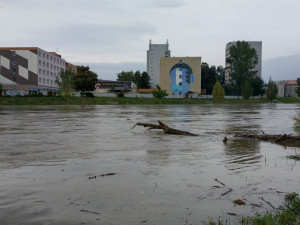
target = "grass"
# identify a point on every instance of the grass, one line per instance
(131, 101)
(289, 215)
(295, 157)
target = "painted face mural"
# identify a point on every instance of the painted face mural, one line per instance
(182, 77)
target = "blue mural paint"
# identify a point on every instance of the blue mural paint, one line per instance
(182, 77)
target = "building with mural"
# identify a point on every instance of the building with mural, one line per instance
(154, 54)
(180, 75)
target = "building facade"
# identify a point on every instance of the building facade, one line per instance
(180, 75)
(257, 45)
(154, 54)
(106, 86)
(30, 67)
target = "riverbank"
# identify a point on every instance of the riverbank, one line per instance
(131, 101)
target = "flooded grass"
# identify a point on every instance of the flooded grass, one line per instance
(289, 214)
(295, 157)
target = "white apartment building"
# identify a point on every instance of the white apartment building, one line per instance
(154, 54)
(30, 67)
(257, 45)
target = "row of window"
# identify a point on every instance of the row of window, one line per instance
(46, 81)
(49, 73)
(49, 65)
(52, 58)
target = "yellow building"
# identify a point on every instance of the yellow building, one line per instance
(180, 75)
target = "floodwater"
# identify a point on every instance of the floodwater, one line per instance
(51, 159)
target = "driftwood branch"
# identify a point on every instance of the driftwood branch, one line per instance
(165, 128)
(282, 139)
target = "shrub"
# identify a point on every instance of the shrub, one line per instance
(218, 91)
(87, 94)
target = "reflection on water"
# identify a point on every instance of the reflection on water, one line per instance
(48, 153)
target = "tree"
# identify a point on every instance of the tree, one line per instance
(85, 80)
(66, 83)
(208, 77)
(144, 81)
(220, 75)
(242, 61)
(272, 90)
(218, 91)
(298, 87)
(258, 85)
(159, 93)
(1, 88)
(247, 90)
(126, 76)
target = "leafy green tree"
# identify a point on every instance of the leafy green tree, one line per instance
(160, 93)
(220, 75)
(208, 77)
(242, 61)
(247, 90)
(1, 88)
(218, 91)
(85, 80)
(258, 85)
(144, 81)
(298, 87)
(271, 90)
(126, 76)
(66, 83)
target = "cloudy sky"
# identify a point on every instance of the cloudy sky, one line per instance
(113, 35)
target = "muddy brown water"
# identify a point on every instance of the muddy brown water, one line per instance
(50, 156)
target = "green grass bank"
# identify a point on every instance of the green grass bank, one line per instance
(130, 101)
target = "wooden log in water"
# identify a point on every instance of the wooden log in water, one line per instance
(165, 128)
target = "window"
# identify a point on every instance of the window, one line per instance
(14, 62)
(44, 72)
(55, 67)
(48, 73)
(44, 80)
(40, 62)
(40, 80)
(51, 81)
(14, 53)
(51, 58)
(180, 76)
(51, 66)
(39, 53)
(40, 71)
(43, 55)
(51, 74)
(47, 81)
(14, 70)
(180, 83)
(44, 64)
(48, 65)
(54, 59)
(47, 56)
(14, 79)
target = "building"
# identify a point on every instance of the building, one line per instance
(30, 67)
(180, 75)
(105, 86)
(281, 87)
(154, 54)
(257, 45)
(290, 88)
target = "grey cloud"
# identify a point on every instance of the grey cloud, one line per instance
(91, 37)
(109, 71)
(165, 3)
(281, 68)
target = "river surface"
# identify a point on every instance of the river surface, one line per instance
(52, 159)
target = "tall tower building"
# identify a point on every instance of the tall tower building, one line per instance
(154, 54)
(257, 45)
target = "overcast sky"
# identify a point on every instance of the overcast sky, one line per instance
(113, 35)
